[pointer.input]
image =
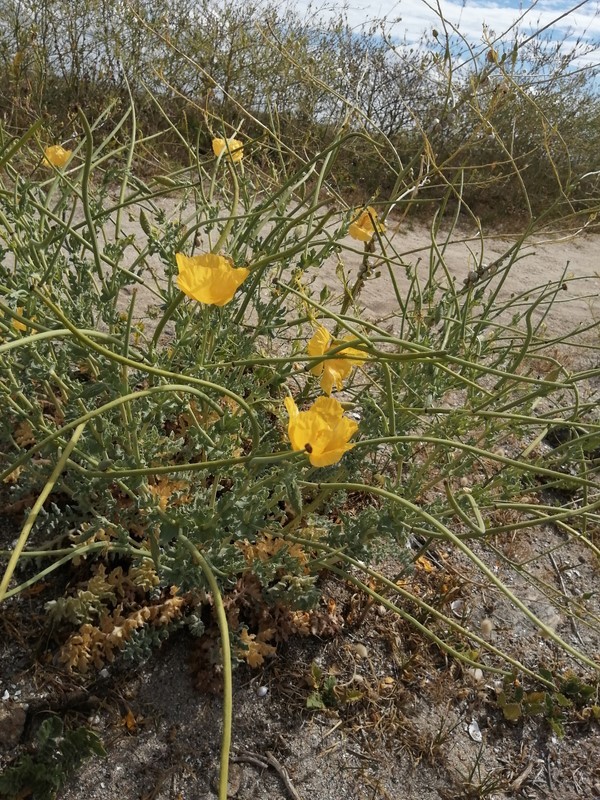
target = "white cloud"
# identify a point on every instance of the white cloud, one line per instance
(471, 16)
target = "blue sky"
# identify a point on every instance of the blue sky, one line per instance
(470, 16)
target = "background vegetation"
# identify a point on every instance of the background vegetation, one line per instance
(496, 116)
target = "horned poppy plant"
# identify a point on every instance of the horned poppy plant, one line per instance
(333, 371)
(232, 147)
(322, 431)
(209, 278)
(364, 225)
(56, 156)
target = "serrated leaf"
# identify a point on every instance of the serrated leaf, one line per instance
(546, 674)
(145, 223)
(519, 693)
(316, 674)
(586, 691)
(353, 696)
(512, 711)
(557, 727)
(562, 701)
(295, 497)
(535, 697)
(314, 700)
(536, 703)
(328, 691)
(535, 709)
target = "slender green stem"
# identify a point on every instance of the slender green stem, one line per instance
(9, 152)
(447, 534)
(172, 307)
(144, 367)
(523, 466)
(96, 412)
(397, 588)
(36, 508)
(68, 554)
(170, 310)
(226, 654)
(85, 184)
(197, 466)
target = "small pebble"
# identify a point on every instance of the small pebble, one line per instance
(476, 674)
(487, 627)
(262, 691)
(360, 650)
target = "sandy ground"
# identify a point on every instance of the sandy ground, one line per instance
(545, 258)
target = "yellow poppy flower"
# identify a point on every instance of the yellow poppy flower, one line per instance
(364, 225)
(56, 156)
(334, 371)
(322, 431)
(20, 326)
(209, 278)
(231, 147)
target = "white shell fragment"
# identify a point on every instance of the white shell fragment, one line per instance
(474, 731)
(458, 607)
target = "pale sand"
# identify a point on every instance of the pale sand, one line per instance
(543, 259)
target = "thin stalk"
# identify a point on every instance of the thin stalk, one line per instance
(460, 544)
(172, 307)
(420, 603)
(85, 197)
(96, 412)
(226, 654)
(36, 508)
(68, 554)
(142, 366)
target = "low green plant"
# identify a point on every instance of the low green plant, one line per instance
(323, 694)
(59, 753)
(564, 694)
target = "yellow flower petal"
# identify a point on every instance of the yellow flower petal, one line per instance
(291, 407)
(334, 371)
(364, 225)
(318, 346)
(209, 278)
(19, 326)
(322, 431)
(56, 156)
(233, 148)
